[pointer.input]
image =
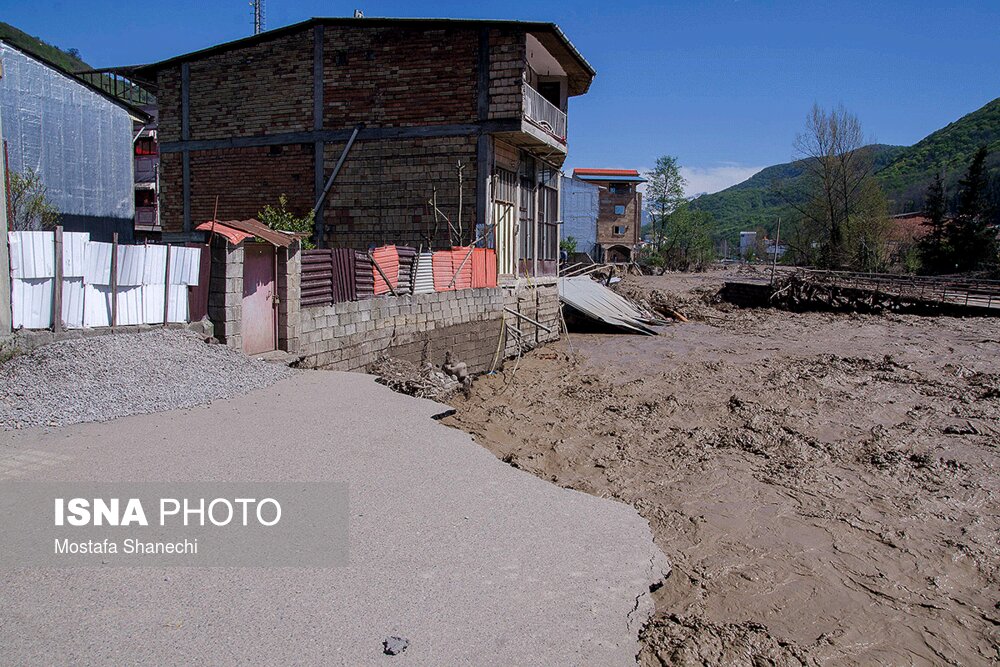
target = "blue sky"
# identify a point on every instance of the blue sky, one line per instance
(724, 86)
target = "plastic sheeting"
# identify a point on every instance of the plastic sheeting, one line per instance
(580, 206)
(78, 141)
(86, 300)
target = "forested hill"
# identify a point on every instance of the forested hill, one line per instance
(904, 172)
(65, 60)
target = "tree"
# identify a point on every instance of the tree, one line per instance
(664, 194)
(30, 208)
(933, 251)
(970, 236)
(847, 214)
(282, 219)
(568, 244)
(689, 244)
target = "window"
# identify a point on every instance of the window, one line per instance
(145, 146)
(620, 209)
(618, 230)
(620, 188)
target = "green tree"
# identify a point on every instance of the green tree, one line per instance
(971, 237)
(30, 208)
(846, 214)
(688, 243)
(934, 255)
(280, 218)
(664, 194)
(568, 244)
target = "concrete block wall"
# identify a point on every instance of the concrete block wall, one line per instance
(423, 327)
(225, 292)
(540, 302)
(289, 286)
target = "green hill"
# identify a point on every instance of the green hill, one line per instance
(63, 59)
(904, 172)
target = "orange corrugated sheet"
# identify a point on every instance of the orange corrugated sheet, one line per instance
(484, 268)
(441, 263)
(388, 260)
(462, 266)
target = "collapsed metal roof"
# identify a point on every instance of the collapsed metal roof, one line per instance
(599, 303)
(237, 231)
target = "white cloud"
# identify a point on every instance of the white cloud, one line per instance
(706, 180)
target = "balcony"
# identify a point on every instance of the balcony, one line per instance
(543, 114)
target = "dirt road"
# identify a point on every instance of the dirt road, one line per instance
(825, 485)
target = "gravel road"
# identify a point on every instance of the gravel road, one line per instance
(106, 377)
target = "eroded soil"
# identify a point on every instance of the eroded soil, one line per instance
(825, 486)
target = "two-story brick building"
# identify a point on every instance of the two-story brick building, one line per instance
(618, 220)
(247, 121)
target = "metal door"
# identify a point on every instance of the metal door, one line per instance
(259, 312)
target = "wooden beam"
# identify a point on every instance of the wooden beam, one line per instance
(57, 293)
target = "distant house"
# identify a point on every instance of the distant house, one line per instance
(76, 137)
(617, 221)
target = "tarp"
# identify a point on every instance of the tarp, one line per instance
(599, 303)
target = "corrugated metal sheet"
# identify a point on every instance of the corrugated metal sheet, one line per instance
(31, 302)
(156, 265)
(131, 265)
(32, 255)
(97, 263)
(75, 254)
(152, 304)
(96, 305)
(599, 303)
(423, 281)
(129, 305)
(185, 265)
(72, 302)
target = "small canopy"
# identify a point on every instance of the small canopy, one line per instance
(237, 231)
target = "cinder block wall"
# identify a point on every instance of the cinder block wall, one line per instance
(423, 327)
(225, 291)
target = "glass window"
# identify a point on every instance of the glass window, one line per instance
(619, 210)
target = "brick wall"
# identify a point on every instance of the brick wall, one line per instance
(381, 194)
(507, 67)
(397, 77)
(607, 218)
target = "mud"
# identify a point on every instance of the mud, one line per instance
(825, 486)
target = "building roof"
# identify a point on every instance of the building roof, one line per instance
(135, 111)
(579, 71)
(237, 231)
(620, 175)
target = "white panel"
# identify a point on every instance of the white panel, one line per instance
(185, 265)
(156, 265)
(32, 254)
(97, 270)
(72, 302)
(179, 303)
(152, 302)
(131, 264)
(129, 304)
(423, 279)
(97, 305)
(31, 302)
(74, 254)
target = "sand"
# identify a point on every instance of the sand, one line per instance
(824, 485)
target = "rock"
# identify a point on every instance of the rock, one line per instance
(394, 645)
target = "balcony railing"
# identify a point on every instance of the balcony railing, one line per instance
(544, 114)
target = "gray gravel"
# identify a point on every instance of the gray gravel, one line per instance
(105, 377)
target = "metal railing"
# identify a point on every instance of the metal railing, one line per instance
(544, 114)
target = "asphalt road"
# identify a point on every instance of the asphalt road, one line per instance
(472, 561)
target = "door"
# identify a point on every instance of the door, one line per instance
(259, 312)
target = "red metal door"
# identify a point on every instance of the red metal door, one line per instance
(259, 313)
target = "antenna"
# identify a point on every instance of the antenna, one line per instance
(258, 16)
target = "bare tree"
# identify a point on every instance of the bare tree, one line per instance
(846, 212)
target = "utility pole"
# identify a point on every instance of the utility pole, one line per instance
(777, 240)
(258, 16)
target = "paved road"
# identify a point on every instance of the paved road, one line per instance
(471, 560)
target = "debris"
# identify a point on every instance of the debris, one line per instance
(394, 645)
(600, 303)
(405, 377)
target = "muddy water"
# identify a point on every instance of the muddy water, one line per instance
(825, 486)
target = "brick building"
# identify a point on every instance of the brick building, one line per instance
(618, 220)
(247, 121)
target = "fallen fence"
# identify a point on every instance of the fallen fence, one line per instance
(64, 280)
